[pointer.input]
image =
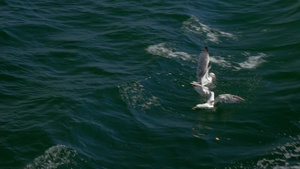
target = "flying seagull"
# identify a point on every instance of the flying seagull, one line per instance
(222, 98)
(203, 75)
(208, 77)
(201, 89)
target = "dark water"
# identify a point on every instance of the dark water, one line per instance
(105, 84)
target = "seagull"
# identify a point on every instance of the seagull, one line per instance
(201, 89)
(208, 77)
(202, 64)
(203, 75)
(222, 98)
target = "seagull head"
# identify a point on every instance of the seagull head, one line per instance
(213, 76)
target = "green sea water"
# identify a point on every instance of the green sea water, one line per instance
(106, 84)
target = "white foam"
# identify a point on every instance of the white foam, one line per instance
(194, 25)
(253, 61)
(228, 35)
(54, 157)
(220, 61)
(162, 49)
(212, 37)
(250, 63)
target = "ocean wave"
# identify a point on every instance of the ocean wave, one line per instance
(285, 156)
(194, 25)
(54, 157)
(136, 96)
(252, 61)
(164, 50)
(220, 61)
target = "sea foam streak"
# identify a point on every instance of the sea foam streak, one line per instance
(220, 61)
(252, 61)
(194, 25)
(162, 49)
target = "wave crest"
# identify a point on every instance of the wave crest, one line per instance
(194, 25)
(285, 156)
(54, 157)
(252, 61)
(163, 49)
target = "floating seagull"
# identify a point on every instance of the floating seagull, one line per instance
(223, 98)
(203, 75)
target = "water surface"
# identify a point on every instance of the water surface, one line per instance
(106, 84)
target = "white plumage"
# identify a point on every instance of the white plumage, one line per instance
(205, 78)
(201, 89)
(222, 98)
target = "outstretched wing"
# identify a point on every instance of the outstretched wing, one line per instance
(228, 98)
(207, 79)
(202, 64)
(201, 89)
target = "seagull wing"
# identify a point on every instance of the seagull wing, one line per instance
(206, 79)
(228, 98)
(202, 64)
(201, 89)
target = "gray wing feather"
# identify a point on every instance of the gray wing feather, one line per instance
(228, 98)
(202, 65)
(202, 90)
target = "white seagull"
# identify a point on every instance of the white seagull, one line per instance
(208, 77)
(203, 75)
(201, 89)
(223, 98)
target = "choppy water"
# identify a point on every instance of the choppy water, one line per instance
(105, 84)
